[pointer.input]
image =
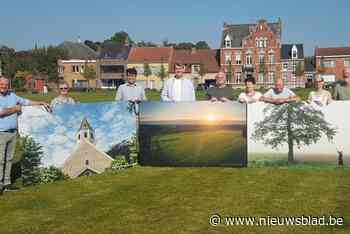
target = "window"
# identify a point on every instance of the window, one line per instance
(249, 59)
(265, 42)
(271, 77)
(294, 52)
(238, 58)
(85, 134)
(261, 58)
(78, 136)
(347, 63)
(238, 77)
(228, 42)
(285, 76)
(87, 162)
(77, 68)
(261, 78)
(91, 136)
(285, 66)
(196, 68)
(60, 69)
(271, 58)
(228, 57)
(261, 42)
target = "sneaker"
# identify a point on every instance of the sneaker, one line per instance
(10, 188)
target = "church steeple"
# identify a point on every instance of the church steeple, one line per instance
(85, 132)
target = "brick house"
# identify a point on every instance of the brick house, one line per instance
(111, 65)
(195, 60)
(292, 60)
(252, 50)
(155, 57)
(79, 56)
(332, 62)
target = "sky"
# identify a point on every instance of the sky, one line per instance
(314, 22)
(56, 132)
(192, 111)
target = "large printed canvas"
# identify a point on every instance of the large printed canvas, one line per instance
(192, 134)
(308, 134)
(81, 138)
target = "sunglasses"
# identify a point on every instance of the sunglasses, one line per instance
(65, 88)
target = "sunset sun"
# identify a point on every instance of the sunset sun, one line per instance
(211, 118)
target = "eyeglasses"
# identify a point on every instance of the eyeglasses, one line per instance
(64, 88)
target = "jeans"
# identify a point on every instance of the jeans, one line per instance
(7, 151)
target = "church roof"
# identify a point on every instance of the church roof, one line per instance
(85, 125)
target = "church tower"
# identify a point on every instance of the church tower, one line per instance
(85, 132)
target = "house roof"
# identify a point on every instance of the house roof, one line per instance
(150, 54)
(207, 57)
(286, 51)
(78, 50)
(238, 32)
(112, 50)
(335, 51)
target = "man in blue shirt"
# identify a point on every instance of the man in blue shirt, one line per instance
(10, 108)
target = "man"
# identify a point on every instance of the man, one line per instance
(343, 92)
(63, 97)
(250, 95)
(131, 91)
(279, 94)
(221, 92)
(320, 96)
(178, 89)
(10, 108)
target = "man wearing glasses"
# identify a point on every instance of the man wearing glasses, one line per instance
(63, 97)
(10, 108)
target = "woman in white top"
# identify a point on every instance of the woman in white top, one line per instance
(63, 97)
(320, 96)
(250, 95)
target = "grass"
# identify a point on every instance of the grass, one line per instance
(109, 95)
(214, 147)
(178, 200)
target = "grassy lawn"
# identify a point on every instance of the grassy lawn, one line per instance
(178, 200)
(109, 95)
(198, 147)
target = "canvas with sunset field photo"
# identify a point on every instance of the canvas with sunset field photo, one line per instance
(192, 134)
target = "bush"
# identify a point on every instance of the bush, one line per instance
(51, 174)
(119, 163)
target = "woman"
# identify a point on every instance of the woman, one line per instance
(320, 96)
(63, 97)
(250, 95)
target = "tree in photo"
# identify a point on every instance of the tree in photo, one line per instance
(31, 160)
(51, 174)
(294, 124)
(89, 73)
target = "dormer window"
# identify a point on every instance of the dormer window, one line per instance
(228, 42)
(294, 52)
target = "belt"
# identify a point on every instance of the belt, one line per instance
(12, 130)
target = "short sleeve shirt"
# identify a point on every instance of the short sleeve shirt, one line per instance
(286, 93)
(10, 100)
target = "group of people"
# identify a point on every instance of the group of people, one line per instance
(176, 89)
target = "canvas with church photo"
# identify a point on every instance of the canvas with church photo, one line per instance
(82, 139)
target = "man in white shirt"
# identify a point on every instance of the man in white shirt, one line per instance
(178, 89)
(279, 94)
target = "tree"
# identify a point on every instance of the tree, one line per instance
(89, 73)
(162, 72)
(19, 81)
(93, 45)
(146, 69)
(294, 124)
(185, 46)
(146, 44)
(31, 159)
(202, 45)
(121, 38)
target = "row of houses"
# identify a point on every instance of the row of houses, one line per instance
(112, 61)
(245, 50)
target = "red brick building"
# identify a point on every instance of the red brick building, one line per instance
(332, 62)
(252, 50)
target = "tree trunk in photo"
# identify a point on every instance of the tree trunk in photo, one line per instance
(290, 136)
